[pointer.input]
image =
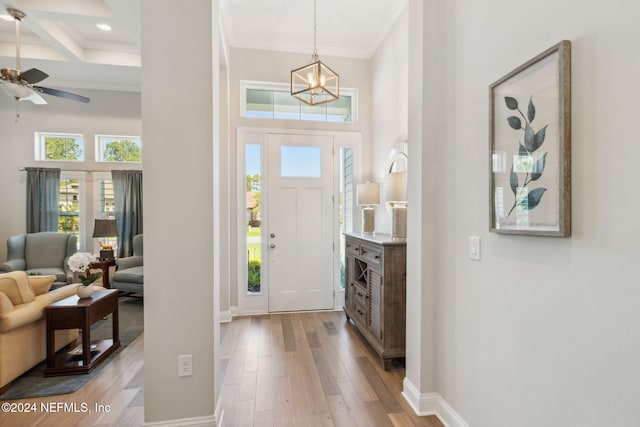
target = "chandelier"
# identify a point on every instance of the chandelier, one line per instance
(315, 83)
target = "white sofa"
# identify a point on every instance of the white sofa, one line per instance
(22, 322)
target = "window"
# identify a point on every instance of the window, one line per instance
(59, 146)
(253, 170)
(274, 101)
(300, 162)
(104, 204)
(70, 203)
(346, 203)
(118, 149)
(103, 199)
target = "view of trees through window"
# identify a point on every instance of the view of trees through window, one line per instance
(120, 149)
(72, 210)
(69, 207)
(63, 148)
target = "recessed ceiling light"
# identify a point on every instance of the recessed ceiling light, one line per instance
(104, 27)
(6, 17)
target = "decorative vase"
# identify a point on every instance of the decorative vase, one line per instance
(84, 291)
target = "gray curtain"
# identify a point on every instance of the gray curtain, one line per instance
(43, 194)
(127, 193)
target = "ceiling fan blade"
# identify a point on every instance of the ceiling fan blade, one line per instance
(62, 94)
(37, 99)
(33, 76)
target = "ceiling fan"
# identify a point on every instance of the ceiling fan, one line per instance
(21, 85)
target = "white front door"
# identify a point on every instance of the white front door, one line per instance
(300, 211)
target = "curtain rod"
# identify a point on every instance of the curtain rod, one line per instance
(70, 170)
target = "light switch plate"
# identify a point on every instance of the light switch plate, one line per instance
(474, 248)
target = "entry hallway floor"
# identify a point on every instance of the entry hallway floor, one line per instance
(302, 370)
(308, 369)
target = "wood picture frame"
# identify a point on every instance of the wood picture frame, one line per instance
(530, 147)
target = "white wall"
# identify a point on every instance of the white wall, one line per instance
(181, 117)
(541, 331)
(270, 66)
(111, 113)
(389, 105)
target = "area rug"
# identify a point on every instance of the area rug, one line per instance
(34, 384)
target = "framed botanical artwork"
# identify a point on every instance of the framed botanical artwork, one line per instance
(530, 146)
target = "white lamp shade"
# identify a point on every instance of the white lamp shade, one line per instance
(395, 187)
(368, 194)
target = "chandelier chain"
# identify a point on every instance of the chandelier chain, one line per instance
(315, 51)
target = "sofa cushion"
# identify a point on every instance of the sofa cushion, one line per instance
(5, 304)
(15, 285)
(41, 284)
(132, 275)
(45, 249)
(25, 314)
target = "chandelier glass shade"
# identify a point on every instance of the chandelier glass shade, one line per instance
(315, 83)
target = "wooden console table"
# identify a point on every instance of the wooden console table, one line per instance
(375, 291)
(71, 313)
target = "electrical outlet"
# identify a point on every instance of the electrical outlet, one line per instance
(185, 365)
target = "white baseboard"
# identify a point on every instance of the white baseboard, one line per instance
(225, 316)
(208, 421)
(431, 404)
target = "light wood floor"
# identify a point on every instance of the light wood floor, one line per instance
(119, 384)
(298, 370)
(308, 369)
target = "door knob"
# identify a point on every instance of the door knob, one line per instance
(273, 245)
(272, 235)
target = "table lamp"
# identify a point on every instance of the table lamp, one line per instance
(395, 193)
(105, 228)
(367, 195)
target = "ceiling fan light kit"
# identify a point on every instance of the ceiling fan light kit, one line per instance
(315, 83)
(21, 86)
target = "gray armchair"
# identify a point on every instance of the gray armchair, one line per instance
(129, 275)
(44, 253)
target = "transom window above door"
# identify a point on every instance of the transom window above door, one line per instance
(273, 101)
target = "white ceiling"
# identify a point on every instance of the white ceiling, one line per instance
(60, 37)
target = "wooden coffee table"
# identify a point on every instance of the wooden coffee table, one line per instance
(72, 313)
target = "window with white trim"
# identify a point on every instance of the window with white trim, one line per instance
(274, 101)
(104, 203)
(71, 204)
(118, 149)
(68, 147)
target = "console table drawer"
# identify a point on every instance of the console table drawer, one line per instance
(360, 296)
(352, 249)
(360, 314)
(371, 254)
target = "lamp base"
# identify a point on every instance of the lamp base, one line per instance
(399, 222)
(368, 219)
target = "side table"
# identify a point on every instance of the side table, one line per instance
(104, 266)
(74, 312)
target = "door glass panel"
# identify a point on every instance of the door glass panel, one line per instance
(253, 221)
(301, 162)
(346, 203)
